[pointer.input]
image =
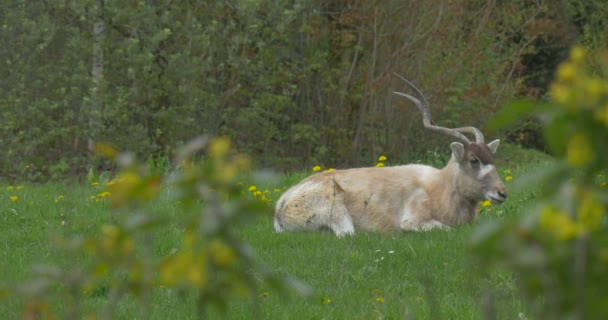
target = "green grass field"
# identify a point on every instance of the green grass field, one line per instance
(367, 276)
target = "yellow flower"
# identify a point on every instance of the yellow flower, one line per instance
(253, 188)
(486, 203)
(379, 164)
(566, 72)
(111, 183)
(59, 198)
(104, 194)
(316, 168)
(14, 198)
(221, 254)
(10, 188)
(559, 224)
(601, 115)
(330, 170)
(507, 172)
(257, 193)
(590, 211)
(560, 93)
(277, 190)
(579, 153)
(577, 54)
(379, 299)
(326, 300)
(382, 158)
(264, 294)
(19, 187)
(508, 178)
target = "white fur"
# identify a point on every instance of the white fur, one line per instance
(484, 170)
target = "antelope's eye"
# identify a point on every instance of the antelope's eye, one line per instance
(474, 162)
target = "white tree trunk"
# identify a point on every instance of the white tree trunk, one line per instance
(97, 73)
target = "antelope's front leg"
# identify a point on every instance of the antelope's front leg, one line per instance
(427, 225)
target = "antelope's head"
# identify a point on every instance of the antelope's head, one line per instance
(475, 160)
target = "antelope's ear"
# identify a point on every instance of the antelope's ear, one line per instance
(457, 150)
(494, 145)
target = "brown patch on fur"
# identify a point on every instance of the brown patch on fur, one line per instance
(481, 151)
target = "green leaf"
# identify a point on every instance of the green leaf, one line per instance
(511, 112)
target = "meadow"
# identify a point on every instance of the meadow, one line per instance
(430, 275)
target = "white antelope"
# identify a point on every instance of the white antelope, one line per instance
(401, 198)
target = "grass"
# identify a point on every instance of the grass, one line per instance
(368, 276)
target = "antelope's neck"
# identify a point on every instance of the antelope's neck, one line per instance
(454, 206)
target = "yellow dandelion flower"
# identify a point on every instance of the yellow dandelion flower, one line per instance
(326, 300)
(486, 203)
(264, 294)
(382, 158)
(19, 187)
(277, 190)
(104, 194)
(14, 198)
(507, 171)
(253, 188)
(258, 193)
(316, 168)
(379, 299)
(111, 183)
(330, 170)
(508, 178)
(379, 164)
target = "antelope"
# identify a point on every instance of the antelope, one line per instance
(410, 197)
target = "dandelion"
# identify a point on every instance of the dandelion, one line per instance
(277, 190)
(104, 194)
(330, 170)
(508, 178)
(19, 187)
(258, 193)
(486, 203)
(111, 183)
(316, 168)
(382, 158)
(379, 300)
(264, 294)
(253, 188)
(326, 300)
(59, 198)
(14, 198)
(379, 164)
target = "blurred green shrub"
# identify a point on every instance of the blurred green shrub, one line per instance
(559, 249)
(211, 263)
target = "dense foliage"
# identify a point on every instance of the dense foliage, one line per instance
(558, 250)
(291, 82)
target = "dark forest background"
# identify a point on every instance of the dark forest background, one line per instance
(293, 82)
